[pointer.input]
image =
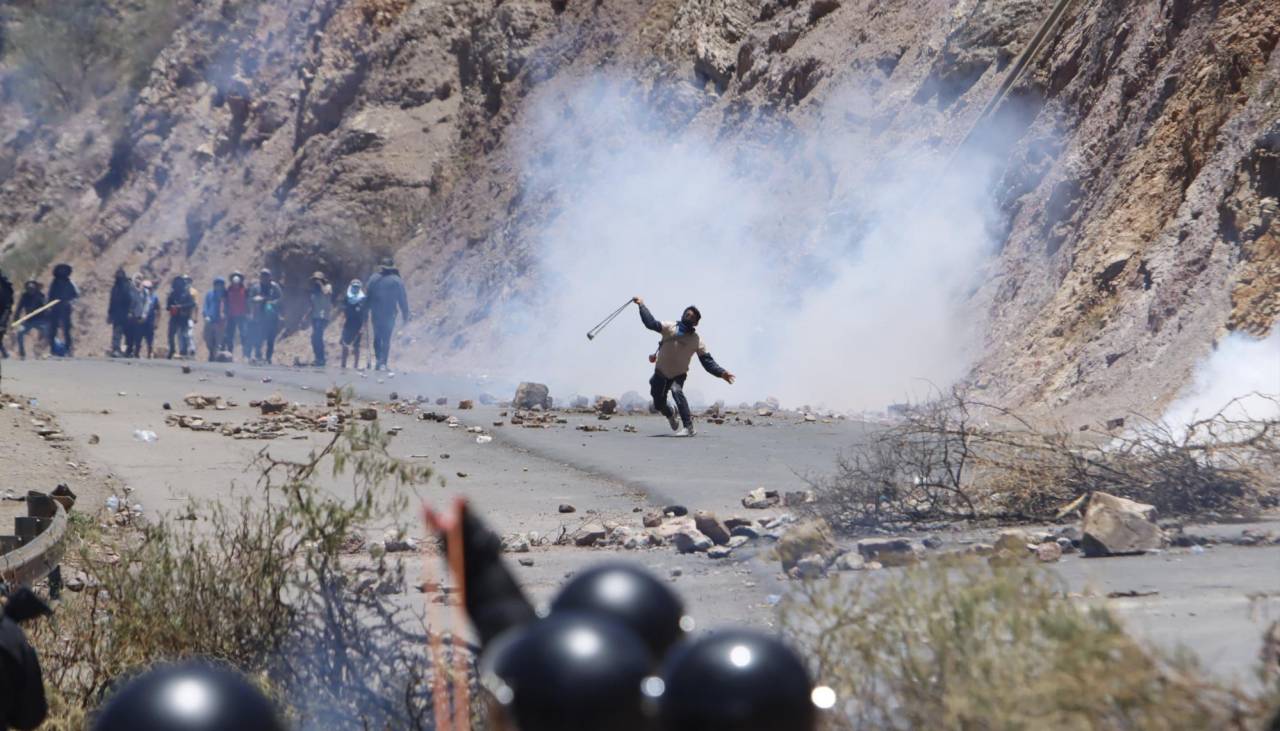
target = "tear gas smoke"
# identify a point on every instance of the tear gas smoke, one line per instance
(829, 270)
(1242, 369)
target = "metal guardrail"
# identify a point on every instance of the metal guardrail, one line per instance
(36, 548)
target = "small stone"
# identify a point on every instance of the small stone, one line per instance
(166, 406)
(719, 552)
(186, 369)
(368, 414)
(809, 567)
(567, 508)
(932, 543)
(737, 541)
(678, 511)
(760, 499)
(652, 519)
(466, 404)
(851, 561)
(230, 374)
(736, 521)
(798, 497)
(94, 439)
(889, 551)
(744, 531)
(1048, 552)
(525, 561)
(77, 582)
(462, 474)
(676, 573)
(1013, 541)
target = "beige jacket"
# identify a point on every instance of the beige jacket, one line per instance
(675, 351)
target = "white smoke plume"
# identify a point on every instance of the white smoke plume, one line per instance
(829, 271)
(1242, 376)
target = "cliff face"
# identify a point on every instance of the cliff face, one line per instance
(1136, 162)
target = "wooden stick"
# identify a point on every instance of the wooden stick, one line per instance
(462, 685)
(33, 313)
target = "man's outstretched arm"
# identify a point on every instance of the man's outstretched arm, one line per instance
(647, 317)
(712, 367)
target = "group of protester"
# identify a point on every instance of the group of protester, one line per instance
(232, 310)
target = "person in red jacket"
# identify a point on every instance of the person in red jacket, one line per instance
(237, 315)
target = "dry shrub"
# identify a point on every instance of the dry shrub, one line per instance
(958, 459)
(266, 584)
(971, 647)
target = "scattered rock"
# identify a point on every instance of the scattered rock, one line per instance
(590, 534)
(230, 374)
(805, 539)
(1048, 552)
(760, 499)
(711, 527)
(567, 508)
(186, 369)
(691, 541)
(368, 414)
(652, 519)
(94, 439)
(812, 566)
(737, 541)
(275, 404)
(736, 521)
(798, 497)
(606, 405)
(851, 561)
(525, 561)
(531, 395)
(466, 404)
(516, 544)
(719, 552)
(76, 583)
(1117, 526)
(678, 511)
(400, 545)
(890, 551)
(1013, 541)
(744, 531)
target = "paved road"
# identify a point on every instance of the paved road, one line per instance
(1217, 602)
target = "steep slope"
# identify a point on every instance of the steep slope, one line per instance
(1134, 164)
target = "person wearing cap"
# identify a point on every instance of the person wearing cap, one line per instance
(215, 317)
(32, 299)
(680, 341)
(237, 314)
(321, 305)
(65, 292)
(355, 310)
(386, 294)
(181, 305)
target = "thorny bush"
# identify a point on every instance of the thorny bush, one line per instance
(968, 646)
(264, 584)
(956, 459)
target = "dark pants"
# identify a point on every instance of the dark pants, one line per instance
(382, 329)
(213, 337)
(317, 339)
(60, 319)
(39, 326)
(237, 326)
(178, 329)
(264, 346)
(119, 333)
(132, 338)
(659, 385)
(4, 330)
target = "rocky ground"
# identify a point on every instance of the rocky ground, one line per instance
(566, 497)
(1134, 182)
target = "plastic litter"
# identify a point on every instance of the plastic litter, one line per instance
(484, 439)
(113, 503)
(143, 435)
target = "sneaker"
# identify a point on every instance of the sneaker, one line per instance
(675, 425)
(684, 431)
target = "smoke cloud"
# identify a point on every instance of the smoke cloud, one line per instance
(830, 270)
(1242, 369)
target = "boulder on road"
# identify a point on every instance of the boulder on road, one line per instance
(590, 534)
(530, 395)
(606, 405)
(1115, 526)
(652, 519)
(711, 527)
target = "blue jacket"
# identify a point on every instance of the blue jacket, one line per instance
(215, 302)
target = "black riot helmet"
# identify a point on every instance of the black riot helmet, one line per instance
(190, 696)
(631, 596)
(735, 680)
(569, 672)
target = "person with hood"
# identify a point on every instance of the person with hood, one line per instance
(6, 309)
(355, 309)
(321, 299)
(680, 341)
(181, 305)
(133, 329)
(265, 297)
(121, 301)
(150, 319)
(65, 292)
(32, 300)
(23, 704)
(237, 314)
(386, 294)
(215, 317)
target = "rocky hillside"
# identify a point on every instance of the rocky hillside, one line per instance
(1137, 160)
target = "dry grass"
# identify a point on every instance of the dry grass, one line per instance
(266, 583)
(972, 647)
(958, 459)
